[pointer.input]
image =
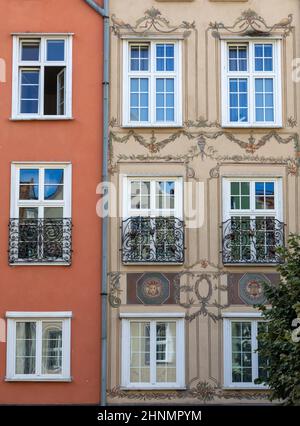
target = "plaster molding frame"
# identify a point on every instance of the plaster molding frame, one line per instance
(153, 22)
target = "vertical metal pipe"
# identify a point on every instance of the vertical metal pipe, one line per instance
(104, 12)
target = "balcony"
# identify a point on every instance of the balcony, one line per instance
(40, 241)
(254, 241)
(152, 240)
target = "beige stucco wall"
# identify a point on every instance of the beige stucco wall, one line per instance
(222, 153)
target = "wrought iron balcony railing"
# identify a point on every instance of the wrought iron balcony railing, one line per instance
(40, 241)
(256, 240)
(153, 240)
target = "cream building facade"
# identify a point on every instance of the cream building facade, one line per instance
(204, 158)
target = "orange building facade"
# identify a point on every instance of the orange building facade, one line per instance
(50, 234)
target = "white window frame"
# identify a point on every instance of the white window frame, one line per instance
(250, 75)
(254, 318)
(252, 212)
(38, 317)
(153, 318)
(152, 74)
(18, 65)
(40, 203)
(152, 212)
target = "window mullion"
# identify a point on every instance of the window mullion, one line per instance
(42, 77)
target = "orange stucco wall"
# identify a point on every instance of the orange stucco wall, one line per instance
(57, 288)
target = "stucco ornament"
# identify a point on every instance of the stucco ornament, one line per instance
(114, 289)
(252, 24)
(152, 21)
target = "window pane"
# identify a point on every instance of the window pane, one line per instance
(52, 348)
(165, 105)
(139, 99)
(264, 99)
(55, 50)
(53, 212)
(139, 352)
(29, 179)
(238, 58)
(165, 57)
(25, 347)
(238, 100)
(165, 352)
(139, 58)
(263, 57)
(29, 95)
(241, 344)
(54, 179)
(30, 51)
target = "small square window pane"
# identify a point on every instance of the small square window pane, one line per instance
(160, 114)
(29, 92)
(145, 202)
(29, 176)
(258, 50)
(144, 52)
(30, 77)
(269, 114)
(134, 52)
(144, 84)
(54, 192)
(170, 50)
(29, 192)
(53, 212)
(259, 85)
(245, 187)
(170, 64)
(28, 213)
(243, 86)
(243, 98)
(234, 100)
(160, 85)
(170, 114)
(269, 85)
(134, 65)
(160, 100)
(235, 203)
(268, 50)
(259, 100)
(235, 188)
(233, 52)
(144, 114)
(269, 188)
(134, 85)
(160, 64)
(233, 65)
(160, 50)
(270, 203)
(245, 204)
(233, 86)
(236, 328)
(134, 114)
(243, 65)
(144, 100)
(260, 114)
(55, 50)
(243, 52)
(144, 65)
(259, 203)
(54, 176)
(170, 85)
(30, 51)
(259, 64)
(234, 114)
(145, 188)
(259, 188)
(269, 100)
(170, 100)
(268, 65)
(134, 100)
(29, 107)
(243, 116)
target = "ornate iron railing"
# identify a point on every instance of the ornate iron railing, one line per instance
(248, 240)
(40, 241)
(153, 240)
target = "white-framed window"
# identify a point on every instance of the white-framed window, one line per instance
(40, 223)
(252, 219)
(251, 83)
(153, 352)
(152, 84)
(242, 362)
(153, 229)
(153, 196)
(38, 346)
(42, 76)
